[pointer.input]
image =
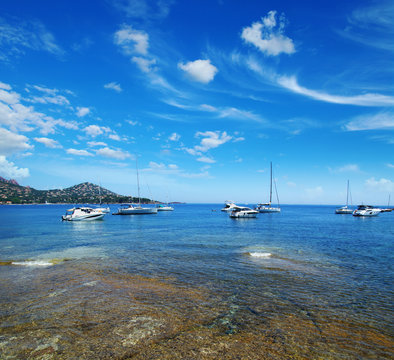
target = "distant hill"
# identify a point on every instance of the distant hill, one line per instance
(85, 193)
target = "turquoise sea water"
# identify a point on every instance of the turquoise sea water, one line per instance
(194, 284)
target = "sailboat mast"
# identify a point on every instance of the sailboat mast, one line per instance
(271, 185)
(138, 183)
(347, 193)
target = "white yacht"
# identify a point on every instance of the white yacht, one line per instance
(164, 207)
(130, 209)
(230, 206)
(243, 212)
(366, 210)
(345, 209)
(267, 208)
(83, 214)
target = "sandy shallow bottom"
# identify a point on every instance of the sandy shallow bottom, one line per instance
(83, 311)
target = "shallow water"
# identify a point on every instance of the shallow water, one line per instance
(195, 284)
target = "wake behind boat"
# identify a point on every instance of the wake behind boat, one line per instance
(83, 214)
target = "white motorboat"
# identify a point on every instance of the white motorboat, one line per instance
(345, 209)
(130, 209)
(83, 214)
(230, 206)
(243, 212)
(267, 207)
(366, 210)
(162, 207)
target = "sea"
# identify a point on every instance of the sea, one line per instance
(194, 283)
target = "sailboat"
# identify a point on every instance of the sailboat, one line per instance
(104, 210)
(267, 208)
(130, 209)
(345, 209)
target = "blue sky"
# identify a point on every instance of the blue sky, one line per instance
(204, 93)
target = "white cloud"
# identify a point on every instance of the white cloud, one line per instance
(379, 121)
(113, 86)
(114, 154)
(95, 130)
(145, 65)
(96, 143)
(206, 159)
(382, 185)
(115, 137)
(82, 111)
(390, 166)
(174, 137)
(10, 171)
(200, 70)
(291, 84)
(49, 143)
(211, 139)
(268, 37)
(132, 41)
(11, 143)
(19, 117)
(78, 152)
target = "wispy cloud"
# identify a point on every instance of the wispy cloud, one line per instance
(381, 185)
(113, 86)
(345, 168)
(268, 36)
(144, 9)
(114, 154)
(379, 121)
(291, 84)
(16, 38)
(49, 143)
(372, 25)
(78, 152)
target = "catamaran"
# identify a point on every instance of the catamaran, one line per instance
(267, 208)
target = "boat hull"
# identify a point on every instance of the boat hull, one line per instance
(83, 218)
(137, 211)
(240, 215)
(343, 211)
(165, 208)
(373, 212)
(268, 210)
